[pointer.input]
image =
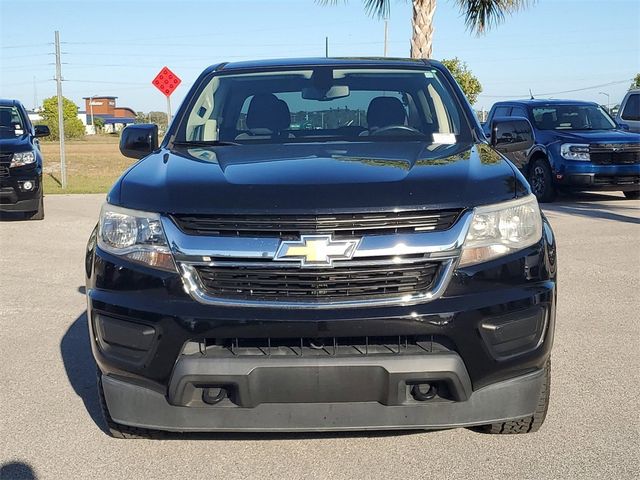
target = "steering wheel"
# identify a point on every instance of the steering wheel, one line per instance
(400, 130)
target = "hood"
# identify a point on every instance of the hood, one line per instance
(334, 177)
(15, 144)
(598, 136)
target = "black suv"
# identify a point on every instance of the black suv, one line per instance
(322, 244)
(577, 146)
(20, 162)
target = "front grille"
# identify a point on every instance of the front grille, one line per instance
(4, 171)
(616, 180)
(292, 225)
(6, 157)
(614, 154)
(354, 281)
(319, 347)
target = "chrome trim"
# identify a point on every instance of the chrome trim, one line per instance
(191, 248)
(190, 251)
(343, 263)
(194, 287)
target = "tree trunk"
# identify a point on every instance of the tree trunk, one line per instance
(422, 39)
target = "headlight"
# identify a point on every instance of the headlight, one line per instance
(22, 158)
(575, 151)
(136, 235)
(501, 229)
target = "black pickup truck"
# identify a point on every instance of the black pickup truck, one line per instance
(322, 244)
(21, 189)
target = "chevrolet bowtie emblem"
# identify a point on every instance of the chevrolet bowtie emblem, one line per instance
(316, 250)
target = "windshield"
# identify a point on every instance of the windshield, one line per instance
(572, 117)
(325, 104)
(11, 122)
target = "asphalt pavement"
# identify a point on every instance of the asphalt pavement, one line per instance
(50, 424)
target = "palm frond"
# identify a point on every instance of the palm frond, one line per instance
(480, 15)
(375, 8)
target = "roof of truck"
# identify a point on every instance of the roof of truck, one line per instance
(321, 61)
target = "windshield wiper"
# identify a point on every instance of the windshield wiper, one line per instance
(205, 143)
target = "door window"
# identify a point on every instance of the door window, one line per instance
(632, 108)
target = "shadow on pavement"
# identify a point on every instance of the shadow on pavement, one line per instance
(81, 371)
(16, 471)
(81, 368)
(591, 205)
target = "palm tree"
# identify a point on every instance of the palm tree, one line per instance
(479, 15)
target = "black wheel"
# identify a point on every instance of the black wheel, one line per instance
(527, 424)
(632, 194)
(117, 430)
(541, 181)
(38, 214)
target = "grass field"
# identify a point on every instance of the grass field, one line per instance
(93, 164)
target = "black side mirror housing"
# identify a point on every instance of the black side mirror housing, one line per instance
(511, 134)
(623, 126)
(41, 131)
(139, 140)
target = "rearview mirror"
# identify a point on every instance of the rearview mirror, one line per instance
(325, 94)
(41, 131)
(511, 134)
(139, 140)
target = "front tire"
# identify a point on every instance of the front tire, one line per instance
(541, 181)
(632, 194)
(38, 214)
(528, 424)
(117, 430)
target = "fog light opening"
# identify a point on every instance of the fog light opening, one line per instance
(27, 185)
(424, 391)
(213, 395)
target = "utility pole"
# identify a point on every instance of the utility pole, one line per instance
(63, 163)
(326, 47)
(386, 34)
(168, 110)
(608, 103)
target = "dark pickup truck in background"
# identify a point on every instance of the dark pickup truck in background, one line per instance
(322, 244)
(577, 147)
(20, 162)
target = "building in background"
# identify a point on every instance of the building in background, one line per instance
(115, 118)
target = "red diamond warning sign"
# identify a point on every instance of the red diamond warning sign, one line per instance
(166, 81)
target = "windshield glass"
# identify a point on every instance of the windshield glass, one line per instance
(11, 122)
(572, 117)
(325, 104)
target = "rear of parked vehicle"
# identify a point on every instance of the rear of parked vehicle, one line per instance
(577, 147)
(21, 190)
(323, 244)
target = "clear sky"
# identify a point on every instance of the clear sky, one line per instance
(115, 47)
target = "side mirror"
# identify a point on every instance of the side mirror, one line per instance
(41, 131)
(139, 140)
(511, 134)
(623, 126)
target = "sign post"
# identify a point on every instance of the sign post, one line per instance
(166, 81)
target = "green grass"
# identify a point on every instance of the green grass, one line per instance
(93, 165)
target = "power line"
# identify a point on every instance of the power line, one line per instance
(25, 46)
(559, 92)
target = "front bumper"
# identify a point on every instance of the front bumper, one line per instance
(14, 197)
(495, 324)
(137, 406)
(587, 176)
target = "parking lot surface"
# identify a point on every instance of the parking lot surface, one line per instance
(50, 423)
